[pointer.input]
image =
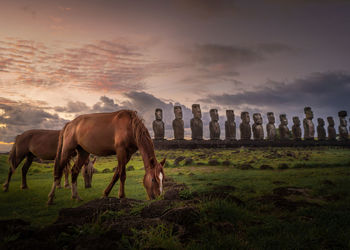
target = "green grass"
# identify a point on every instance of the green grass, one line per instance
(323, 172)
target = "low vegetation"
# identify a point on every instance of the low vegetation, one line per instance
(247, 198)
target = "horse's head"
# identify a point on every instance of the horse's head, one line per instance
(154, 179)
(88, 171)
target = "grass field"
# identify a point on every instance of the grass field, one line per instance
(287, 198)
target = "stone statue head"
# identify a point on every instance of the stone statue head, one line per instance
(283, 119)
(257, 118)
(320, 122)
(308, 113)
(196, 111)
(230, 114)
(296, 121)
(214, 115)
(245, 117)
(330, 121)
(342, 114)
(159, 114)
(271, 117)
(178, 112)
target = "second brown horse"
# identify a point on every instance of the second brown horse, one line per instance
(38, 143)
(122, 133)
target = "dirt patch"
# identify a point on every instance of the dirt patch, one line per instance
(285, 204)
(328, 183)
(287, 191)
(279, 182)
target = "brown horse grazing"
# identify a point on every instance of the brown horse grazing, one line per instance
(102, 134)
(33, 143)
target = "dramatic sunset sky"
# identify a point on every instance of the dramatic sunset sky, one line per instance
(60, 59)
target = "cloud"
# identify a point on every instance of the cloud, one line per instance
(209, 54)
(105, 105)
(73, 107)
(207, 8)
(17, 117)
(115, 65)
(328, 91)
(219, 65)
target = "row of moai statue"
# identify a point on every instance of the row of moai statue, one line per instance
(257, 127)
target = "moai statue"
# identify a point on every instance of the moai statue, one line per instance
(258, 130)
(178, 124)
(343, 130)
(270, 127)
(196, 123)
(296, 129)
(321, 132)
(158, 125)
(230, 125)
(309, 127)
(332, 134)
(214, 126)
(246, 132)
(283, 128)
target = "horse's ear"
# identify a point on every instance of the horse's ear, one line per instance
(93, 161)
(163, 162)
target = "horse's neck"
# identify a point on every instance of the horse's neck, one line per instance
(147, 154)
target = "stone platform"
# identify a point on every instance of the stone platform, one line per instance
(193, 144)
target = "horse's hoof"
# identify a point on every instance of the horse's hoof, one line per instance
(77, 198)
(49, 202)
(67, 187)
(24, 187)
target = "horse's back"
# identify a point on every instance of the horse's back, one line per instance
(41, 143)
(97, 133)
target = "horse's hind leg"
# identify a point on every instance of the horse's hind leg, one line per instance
(58, 170)
(25, 169)
(66, 177)
(82, 156)
(7, 183)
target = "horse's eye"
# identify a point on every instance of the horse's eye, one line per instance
(153, 180)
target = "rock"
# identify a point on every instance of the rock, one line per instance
(130, 168)
(188, 161)
(245, 167)
(200, 163)
(226, 163)
(173, 193)
(106, 170)
(156, 209)
(213, 162)
(266, 167)
(283, 166)
(178, 160)
(182, 216)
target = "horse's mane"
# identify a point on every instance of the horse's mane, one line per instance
(141, 134)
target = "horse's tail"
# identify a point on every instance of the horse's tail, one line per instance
(59, 152)
(13, 156)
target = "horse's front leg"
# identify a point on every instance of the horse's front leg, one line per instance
(122, 157)
(25, 169)
(123, 177)
(82, 156)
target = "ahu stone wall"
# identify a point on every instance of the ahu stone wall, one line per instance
(251, 134)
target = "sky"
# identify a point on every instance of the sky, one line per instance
(61, 59)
